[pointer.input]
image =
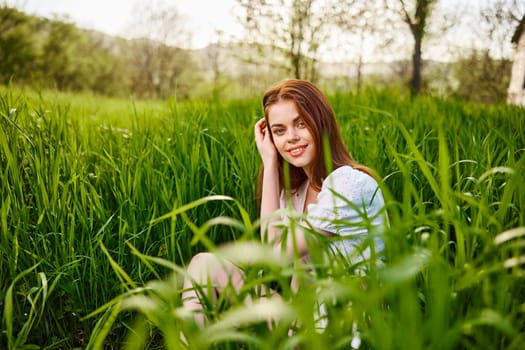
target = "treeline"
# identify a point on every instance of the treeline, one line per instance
(56, 54)
(45, 53)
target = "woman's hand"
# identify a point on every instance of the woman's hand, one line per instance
(264, 143)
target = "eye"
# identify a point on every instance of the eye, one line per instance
(301, 124)
(278, 131)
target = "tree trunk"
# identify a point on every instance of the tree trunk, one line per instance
(360, 73)
(417, 26)
(415, 82)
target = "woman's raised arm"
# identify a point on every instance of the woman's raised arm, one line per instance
(270, 182)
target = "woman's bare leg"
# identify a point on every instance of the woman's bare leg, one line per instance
(212, 274)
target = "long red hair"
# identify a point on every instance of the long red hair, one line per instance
(320, 120)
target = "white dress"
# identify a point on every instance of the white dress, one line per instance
(350, 206)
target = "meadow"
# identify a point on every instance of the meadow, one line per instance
(104, 201)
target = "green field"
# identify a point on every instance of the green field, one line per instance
(96, 224)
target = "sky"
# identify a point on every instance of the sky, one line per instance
(202, 17)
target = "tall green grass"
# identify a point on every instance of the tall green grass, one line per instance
(104, 201)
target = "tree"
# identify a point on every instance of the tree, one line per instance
(61, 61)
(417, 24)
(482, 68)
(499, 19)
(214, 53)
(17, 47)
(157, 59)
(367, 27)
(287, 34)
(482, 78)
(107, 64)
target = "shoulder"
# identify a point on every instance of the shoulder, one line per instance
(348, 180)
(347, 194)
(346, 171)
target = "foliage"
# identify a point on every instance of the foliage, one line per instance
(57, 54)
(289, 34)
(284, 38)
(103, 201)
(17, 50)
(481, 78)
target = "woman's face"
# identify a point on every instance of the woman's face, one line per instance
(291, 137)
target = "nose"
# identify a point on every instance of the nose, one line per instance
(293, 136)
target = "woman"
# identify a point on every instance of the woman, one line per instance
(340, 198)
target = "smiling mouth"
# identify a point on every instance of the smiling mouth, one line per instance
(297, 151)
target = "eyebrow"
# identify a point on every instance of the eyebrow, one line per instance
(293, 121)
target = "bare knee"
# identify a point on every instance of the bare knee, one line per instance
(200, 258)
(202, 265)
(208, 267)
